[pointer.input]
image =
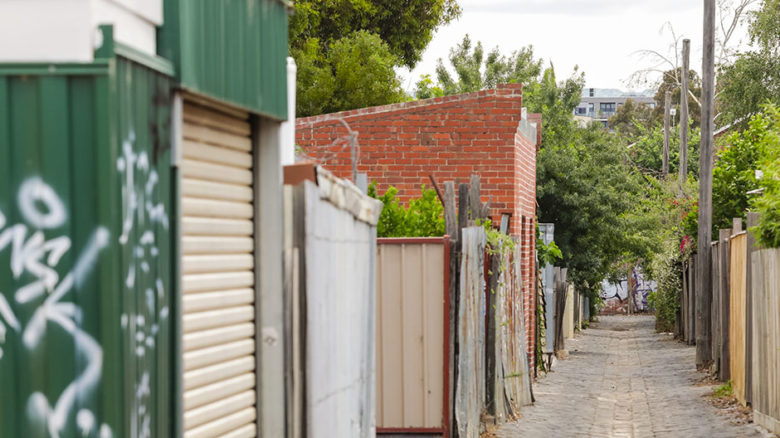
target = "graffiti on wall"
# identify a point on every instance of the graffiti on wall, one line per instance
(617, 295)
(141, 216)
(45, 296)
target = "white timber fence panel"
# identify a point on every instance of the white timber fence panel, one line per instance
(335, 297)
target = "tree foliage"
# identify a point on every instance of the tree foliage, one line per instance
(556, 101)
(754, 78)
(763, 134)
(406, 27)
(630, 118)
(423, 217)
(589, 191)
(646, 150)
(347, 50)
(671, 82)
(474, 71)
(357, 71)
(734, 175)
(666, 299)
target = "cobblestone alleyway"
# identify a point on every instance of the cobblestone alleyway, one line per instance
(623, 380)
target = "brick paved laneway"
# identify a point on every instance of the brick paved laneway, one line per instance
(624, 380)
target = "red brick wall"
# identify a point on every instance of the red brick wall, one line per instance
(450, 138)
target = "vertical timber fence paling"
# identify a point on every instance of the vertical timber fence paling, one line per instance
(752, 221)
(703, 273)
(715, 309)
(725, 305)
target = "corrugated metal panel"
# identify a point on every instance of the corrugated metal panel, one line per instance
(231, 50)
(143, 192)
(411, 368)
(85, 250)
(218, 279)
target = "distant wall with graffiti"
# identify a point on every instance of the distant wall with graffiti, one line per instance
(86, 258)
(616, 295)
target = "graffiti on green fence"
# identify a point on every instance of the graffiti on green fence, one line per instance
(46, 298)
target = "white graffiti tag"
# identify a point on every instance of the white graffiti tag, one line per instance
(39, 257)
(142, 219)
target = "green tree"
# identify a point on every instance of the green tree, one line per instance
(630, 118)
(646, 150)
(357, 71)
(734, 174)
(556, 101)
(671, 80)
(427, 89)
(754, 78)
(347, 50)
(406, 27)
(474, 71)
(757, 148)
(589, 191)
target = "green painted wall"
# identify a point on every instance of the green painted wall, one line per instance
(231, 50)
(86, 254)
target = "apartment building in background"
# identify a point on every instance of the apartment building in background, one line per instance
(599, 104)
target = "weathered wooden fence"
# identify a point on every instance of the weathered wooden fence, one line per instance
(766, 338)
(412, 339)
(745, 323)
(470, 363)
(451, 344)
(509, 380)
(688, 301)
(568, 313)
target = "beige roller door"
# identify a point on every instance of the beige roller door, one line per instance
(218, 273)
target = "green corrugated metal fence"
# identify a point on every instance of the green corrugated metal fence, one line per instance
(86, 254)
(230, 50)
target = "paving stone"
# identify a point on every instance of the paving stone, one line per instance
(624, 380)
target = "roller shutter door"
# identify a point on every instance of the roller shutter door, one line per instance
(218, 273)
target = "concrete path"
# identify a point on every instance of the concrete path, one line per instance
(624, 380)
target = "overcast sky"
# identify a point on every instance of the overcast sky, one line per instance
(600, 36)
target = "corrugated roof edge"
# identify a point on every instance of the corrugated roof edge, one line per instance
(502, 90)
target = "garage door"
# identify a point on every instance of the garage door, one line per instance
(218, 273)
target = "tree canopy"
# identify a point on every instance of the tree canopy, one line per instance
(474, 71)
(347, 50)
(754, 78)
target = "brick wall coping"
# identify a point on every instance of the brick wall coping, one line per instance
(502, 90)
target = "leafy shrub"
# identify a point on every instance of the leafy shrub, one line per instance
(668, 275)
(424, 217)
(768, 204)
(734, 175)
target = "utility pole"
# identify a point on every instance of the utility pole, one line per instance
(667, 111)
(704, 259)
(686, 55)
